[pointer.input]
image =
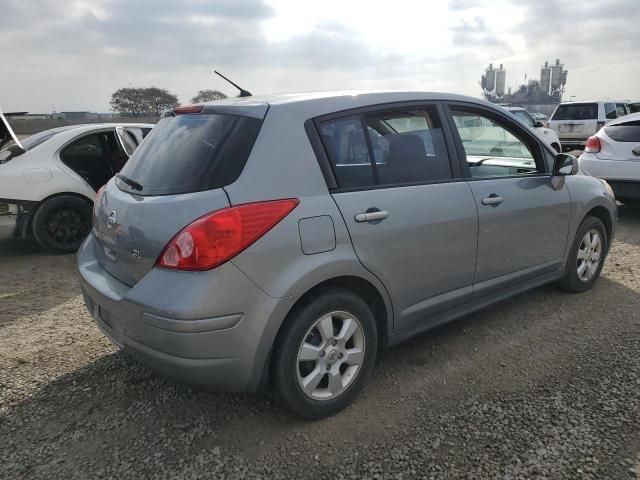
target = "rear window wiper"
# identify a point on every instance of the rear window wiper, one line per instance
(132, 183)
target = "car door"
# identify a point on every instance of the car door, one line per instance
(523, 213)
(412, 222)
(95, 157)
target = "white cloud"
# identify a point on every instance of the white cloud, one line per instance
(75, 56)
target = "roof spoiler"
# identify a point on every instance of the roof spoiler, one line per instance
(6, 133)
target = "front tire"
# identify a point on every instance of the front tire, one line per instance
(61, 223)
(587, 256)
(325, 353)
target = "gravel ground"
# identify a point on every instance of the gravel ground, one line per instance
(542, 386)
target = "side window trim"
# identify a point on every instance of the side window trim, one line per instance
(537, 149)
(313, 133)
(372, 157)
(312, 127)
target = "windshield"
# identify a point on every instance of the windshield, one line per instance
(191, 153)
(524, 116)
(11, 150)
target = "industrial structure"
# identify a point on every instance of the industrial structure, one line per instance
(544, 93)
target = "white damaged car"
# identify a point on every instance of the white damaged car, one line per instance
(48, 181)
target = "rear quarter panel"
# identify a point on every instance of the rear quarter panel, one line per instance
(283, 165)
(35, 176)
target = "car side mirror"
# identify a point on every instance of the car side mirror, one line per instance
(565, 164)
(538, 124)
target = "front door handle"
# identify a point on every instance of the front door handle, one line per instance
(492, 199)
(373, 216)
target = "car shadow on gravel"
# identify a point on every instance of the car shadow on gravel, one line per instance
(33, 280)
(14, 248)
(628, 224)
(114, 410)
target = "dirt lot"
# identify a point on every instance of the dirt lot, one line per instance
(542, 386)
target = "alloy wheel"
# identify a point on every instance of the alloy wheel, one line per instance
(589, 255)
(330, 356)
(67, 227)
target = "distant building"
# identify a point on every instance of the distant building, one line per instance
(27, 116)
(536, 95)
(77, 116)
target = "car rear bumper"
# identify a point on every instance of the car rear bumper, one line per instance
(622, 175)
(214, 329)
(572, 144)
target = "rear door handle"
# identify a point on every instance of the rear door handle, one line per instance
(371, 216)
(492, 199)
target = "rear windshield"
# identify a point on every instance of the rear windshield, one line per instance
(11, 150)
(191, 153)
(524, 116)
(624, 132)
(577, 111)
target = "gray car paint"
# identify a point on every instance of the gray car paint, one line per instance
(263, 282)
(417, 237)
(528, 230)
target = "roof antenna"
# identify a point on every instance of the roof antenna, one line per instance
(243, 93)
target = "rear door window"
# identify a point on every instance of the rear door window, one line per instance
(127, 140)
(191, 153)
(387, 147)
(625, 132)
(89, 157)
(576, 111)
(408, 146)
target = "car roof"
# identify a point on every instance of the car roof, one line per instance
(101, 125)
(632, 117)
(312, 104)
(96, 126)
(579, 102)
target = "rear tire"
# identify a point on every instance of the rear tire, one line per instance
(590, 245)
(325, 353)
(61, 223)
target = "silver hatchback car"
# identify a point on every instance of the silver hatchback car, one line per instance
(286, 240)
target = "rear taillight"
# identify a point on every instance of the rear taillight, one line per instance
(219, 236)
(592, 145)
(187, 109)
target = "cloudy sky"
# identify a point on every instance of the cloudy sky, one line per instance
(74, 53)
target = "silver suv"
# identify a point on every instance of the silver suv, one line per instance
(286, 240)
